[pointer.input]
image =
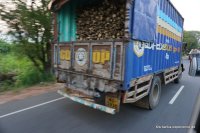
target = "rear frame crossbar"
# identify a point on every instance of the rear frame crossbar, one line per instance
(87, 103)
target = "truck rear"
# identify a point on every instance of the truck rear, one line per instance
(116, 51)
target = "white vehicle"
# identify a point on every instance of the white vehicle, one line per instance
(194, 64)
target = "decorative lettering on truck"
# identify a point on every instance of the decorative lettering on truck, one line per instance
(81, 56)
(65, 55)
(100, 56)
(139, 47)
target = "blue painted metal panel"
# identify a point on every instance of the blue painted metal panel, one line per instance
(151, 57)
(144, 24)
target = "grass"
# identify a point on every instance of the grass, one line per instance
(27, 74)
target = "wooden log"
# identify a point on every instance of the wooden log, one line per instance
(105, 21)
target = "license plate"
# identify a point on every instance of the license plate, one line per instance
(113, 102)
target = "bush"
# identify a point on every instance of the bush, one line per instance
(30, 76)
(27, 74)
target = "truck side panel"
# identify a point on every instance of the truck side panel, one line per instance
(156, 50)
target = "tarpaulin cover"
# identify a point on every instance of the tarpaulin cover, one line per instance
(144, 20)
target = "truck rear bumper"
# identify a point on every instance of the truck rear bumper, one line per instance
(87, 103)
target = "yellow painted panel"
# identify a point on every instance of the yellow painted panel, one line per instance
(103, 56)
(96, 57)
(107, 55)
(68, 55)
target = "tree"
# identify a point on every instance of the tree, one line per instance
(197, 35)
(4, 47)
(190, 37)
(31, 27)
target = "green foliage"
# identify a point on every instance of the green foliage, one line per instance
(192, 40)
(8, 63)
(30, 25)
(29, 58)
(197, 35)
(4, 47)
(26, 73)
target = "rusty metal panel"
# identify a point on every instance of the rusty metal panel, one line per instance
(55, 55)
(90, 65)
(65, 57)
(102, 59)
(118, 63)
(55, 26)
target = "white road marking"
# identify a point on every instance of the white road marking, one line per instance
(176, 95)
(32, 107)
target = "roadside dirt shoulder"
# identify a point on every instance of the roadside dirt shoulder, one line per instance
(27, 92)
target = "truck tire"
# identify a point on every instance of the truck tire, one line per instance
(155, 93)
(177, 80)
(152, 100)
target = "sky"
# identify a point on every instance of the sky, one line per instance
(3, 26)
(190, 10)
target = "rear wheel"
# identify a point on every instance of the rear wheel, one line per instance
(152, 100)
(155, 93)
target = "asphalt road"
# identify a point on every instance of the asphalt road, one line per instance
(39, 114)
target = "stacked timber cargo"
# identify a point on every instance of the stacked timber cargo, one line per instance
(101, 21)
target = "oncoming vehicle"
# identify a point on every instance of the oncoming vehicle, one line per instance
(198, 63)
(194, 63)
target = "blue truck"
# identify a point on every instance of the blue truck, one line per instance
(104, 72)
